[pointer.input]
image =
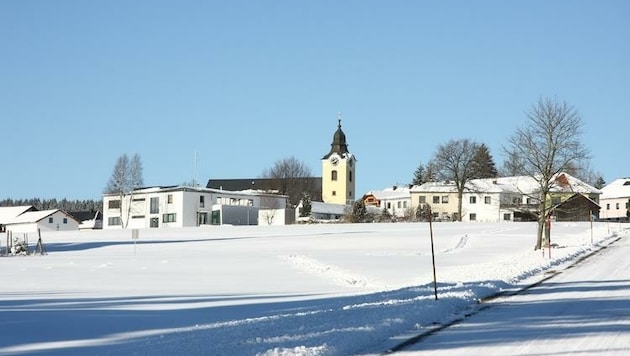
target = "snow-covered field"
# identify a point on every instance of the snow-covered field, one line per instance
(341, 289)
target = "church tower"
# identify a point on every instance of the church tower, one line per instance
(338, 171)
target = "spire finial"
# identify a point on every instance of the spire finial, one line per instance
(339, 119)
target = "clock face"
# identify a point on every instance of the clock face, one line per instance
(334, 160)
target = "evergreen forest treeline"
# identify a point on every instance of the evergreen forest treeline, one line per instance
(63, 204)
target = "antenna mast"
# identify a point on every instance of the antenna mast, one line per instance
(194, 180)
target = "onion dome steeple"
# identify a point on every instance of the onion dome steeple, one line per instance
(338, 145)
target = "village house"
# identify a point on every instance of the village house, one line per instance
(507, 199)
(396, 200)
(615, 200)
(27, 219)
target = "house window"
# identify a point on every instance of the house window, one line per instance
(607, 206)
(333, 175)
(405, 204)
(516, 200)
(334, 193)
(398, 205)
(113, 204)
(155, 222)
(202, 201)
(436, 199)
(473, 200)
(65, 220)
(169, 199)
(472, 217)
(486, 200)
(529, 201)
(617, 206)
(113, 221)
(507, 217)
(422, 199)
(50, 220)
(155, 205)
(350, 176)
(445, 199)
(389, 205)
(168, 218)
(349, 193)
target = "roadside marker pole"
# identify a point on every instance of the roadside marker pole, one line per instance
(432, 252)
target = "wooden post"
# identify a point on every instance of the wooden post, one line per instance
(9, 240)
(40, 244)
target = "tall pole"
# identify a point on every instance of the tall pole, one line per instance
(432, 251)
(591, 215)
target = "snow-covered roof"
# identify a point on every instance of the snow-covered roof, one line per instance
(178, 188)
(516, 184)
(391, 193)
(8, 213)
(619, 188)
(32, 216)
(327, 208)
(435, 187)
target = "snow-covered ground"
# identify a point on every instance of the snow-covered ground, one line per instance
(584, 310)
(342, 289)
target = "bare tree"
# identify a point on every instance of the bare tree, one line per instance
(290, 177)
(513, 165)
(126, 177)
(456, 161)
(548, 144)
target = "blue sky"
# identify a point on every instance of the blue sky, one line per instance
(243, 84)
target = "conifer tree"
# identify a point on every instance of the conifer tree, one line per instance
(483, 163)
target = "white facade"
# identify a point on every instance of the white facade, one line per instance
(614, 200)
(44, 220)
(184, 207)
(397, 200)
(496, 199)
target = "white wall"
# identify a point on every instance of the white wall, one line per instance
(613, 208)
(185, 204)
(60, 222)
(484, 212)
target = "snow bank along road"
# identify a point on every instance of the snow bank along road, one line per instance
(583, 310)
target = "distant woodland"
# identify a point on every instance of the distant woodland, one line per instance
(63, 204)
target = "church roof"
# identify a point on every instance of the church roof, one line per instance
(338, 145)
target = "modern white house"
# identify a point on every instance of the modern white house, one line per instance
(43, 220)
(500, 199)
(184, 206)
(615, 199)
